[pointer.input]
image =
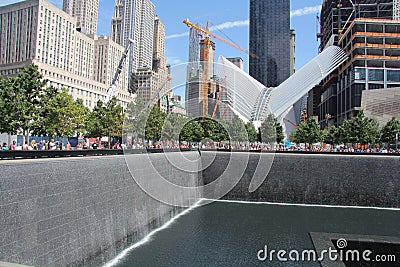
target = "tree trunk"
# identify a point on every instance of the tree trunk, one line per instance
(9, 139)
(26, 133)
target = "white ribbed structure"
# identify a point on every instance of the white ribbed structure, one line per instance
(243, 89)
(291, 90)
(254, 101)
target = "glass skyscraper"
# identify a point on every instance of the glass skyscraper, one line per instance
(270, 41)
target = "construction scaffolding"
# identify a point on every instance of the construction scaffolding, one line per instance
(336, 15)
(396, 9)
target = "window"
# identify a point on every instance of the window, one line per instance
(359, 74)
(393, 75)
(375, 74)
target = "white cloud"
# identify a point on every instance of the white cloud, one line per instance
(178, 35)
(305, 11)
(230, 24)
(173, 61)
(243, 23)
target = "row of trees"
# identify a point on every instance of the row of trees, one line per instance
(156, 125)
(29, 106)
(358, 130)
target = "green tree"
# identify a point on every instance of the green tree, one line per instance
(106, 119)
(251, 132)
(192, 131)
(389, 131)
(236, 129)
(298, 135)
(271, 130)
(172, 127)
(213, 129)
(26, 95)
(81, 116)
(331, 135)
(62, 116)
(307, 132)
(154, 124)
(279, 132)
(222, 130)
(7, 104)
(135, 118)
(360, 129)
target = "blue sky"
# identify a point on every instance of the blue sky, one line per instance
(233, 15)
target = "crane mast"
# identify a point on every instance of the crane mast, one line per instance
(205, 54)
(113, 87)
(204, 88)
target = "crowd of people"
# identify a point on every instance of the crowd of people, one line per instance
(266, 147)
(41, 145)
(55, 145)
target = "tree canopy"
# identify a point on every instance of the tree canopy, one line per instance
(307, 132)
(390, 130)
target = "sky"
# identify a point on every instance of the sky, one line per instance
(228, 18)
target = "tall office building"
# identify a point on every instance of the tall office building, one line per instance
(238, 61)
(116, 33)
(270, 41)
(159, 60)
(371, 39)
(201, 80)
(35, 31)
(194, 53)
(86, 13)
(135, 19)
(193, 74)
(152, 82)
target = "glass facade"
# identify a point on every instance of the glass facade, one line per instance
(270, 41)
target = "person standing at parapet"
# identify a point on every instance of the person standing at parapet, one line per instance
(25, 146)
(40, 145)
(5, 147)
(52, 145)
(33, 145)
(13, 146)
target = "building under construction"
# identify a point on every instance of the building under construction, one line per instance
(369, 32)
(201, 80)
(337, 15)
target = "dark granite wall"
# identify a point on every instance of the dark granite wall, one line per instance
(327, 179)
(69, 211)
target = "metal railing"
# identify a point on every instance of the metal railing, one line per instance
(34, 154)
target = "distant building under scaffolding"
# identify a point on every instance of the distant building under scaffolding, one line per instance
(368, 34)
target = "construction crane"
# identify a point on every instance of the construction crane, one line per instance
(291, 122)
(205, 58)
(208, 33)
(114, 84)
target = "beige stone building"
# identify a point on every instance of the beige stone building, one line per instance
(152, 83)
(35, 31)
(86, 13)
